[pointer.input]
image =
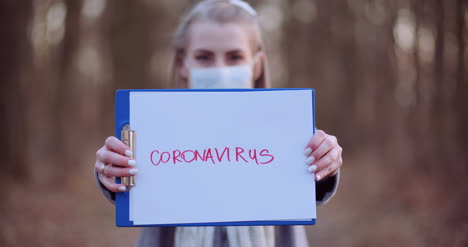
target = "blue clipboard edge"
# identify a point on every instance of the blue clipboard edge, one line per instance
(122, 116)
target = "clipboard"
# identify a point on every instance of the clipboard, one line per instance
(122, 121)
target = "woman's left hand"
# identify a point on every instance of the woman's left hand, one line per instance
(323, 155)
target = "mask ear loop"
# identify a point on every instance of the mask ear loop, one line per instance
(255, 62)
(255, 58)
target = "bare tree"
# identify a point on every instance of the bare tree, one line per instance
(14, 50)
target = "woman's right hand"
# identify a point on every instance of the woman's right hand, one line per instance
(113, 160)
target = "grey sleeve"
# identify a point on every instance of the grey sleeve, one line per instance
(325, 189)
(107, 193)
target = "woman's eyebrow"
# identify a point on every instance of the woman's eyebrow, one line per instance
(203, 51)
(235, 51)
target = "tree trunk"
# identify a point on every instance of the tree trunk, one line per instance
(14, 18)
(462, 87)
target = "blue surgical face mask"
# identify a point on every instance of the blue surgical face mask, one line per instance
(222, 77)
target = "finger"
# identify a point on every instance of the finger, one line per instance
(116, 171)
(99, 165)
(114, 144)
(328, 144)
(329, 170)
(315, 141)
(340, 161)
(110, 184)
(107, 156)
(326, 160)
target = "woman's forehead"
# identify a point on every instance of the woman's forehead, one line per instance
(220, 37)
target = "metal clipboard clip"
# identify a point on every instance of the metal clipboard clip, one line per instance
(128, 137)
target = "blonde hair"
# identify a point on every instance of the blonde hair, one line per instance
(220, 11)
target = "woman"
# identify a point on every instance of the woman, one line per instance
(218, 45)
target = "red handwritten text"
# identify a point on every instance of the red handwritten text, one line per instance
(212, 156)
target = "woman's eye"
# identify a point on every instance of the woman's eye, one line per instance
(202, 58)
(233, 59)
(236, 57)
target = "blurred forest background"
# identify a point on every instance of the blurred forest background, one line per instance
(391, 82)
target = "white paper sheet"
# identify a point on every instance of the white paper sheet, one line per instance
(200, 191)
